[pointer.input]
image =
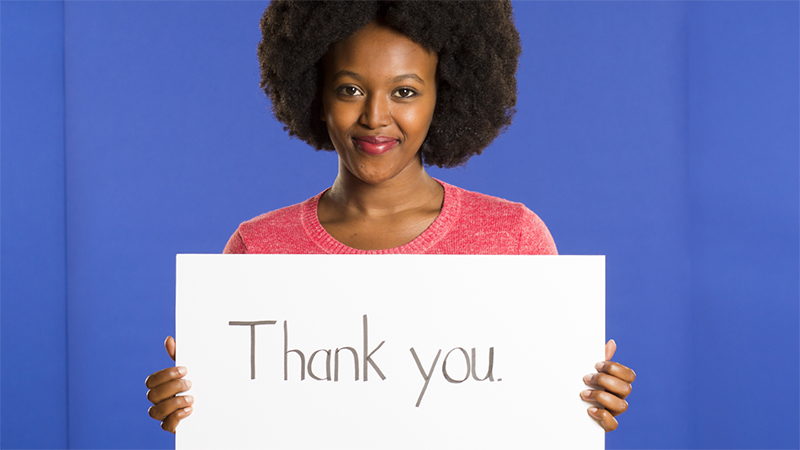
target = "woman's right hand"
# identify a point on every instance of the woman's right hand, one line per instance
(164, 387)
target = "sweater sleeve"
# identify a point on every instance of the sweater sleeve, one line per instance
(235, 244)
(534, 237)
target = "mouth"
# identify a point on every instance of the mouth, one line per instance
(375, 145)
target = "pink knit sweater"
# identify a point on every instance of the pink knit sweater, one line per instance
(469, 223)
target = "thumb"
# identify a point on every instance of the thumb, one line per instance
(611, 347)
(169, 344)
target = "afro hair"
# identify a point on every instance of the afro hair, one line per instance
(476, 42)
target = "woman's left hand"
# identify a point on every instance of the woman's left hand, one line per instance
(614, 381)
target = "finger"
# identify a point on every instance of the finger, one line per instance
(170, 345)
(163, 376)
(611, 402)
(610, 383)
(611, 347)
(604, 418)
(171, 422)
(617, 370)
(169, 389)
(164, 409)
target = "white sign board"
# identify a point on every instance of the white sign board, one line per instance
(389, 351)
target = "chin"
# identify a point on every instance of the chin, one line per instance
(374, 179)
(374, 170)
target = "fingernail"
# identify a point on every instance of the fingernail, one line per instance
(599, 366)
(182, 370)
(585, 394)
(188, 384)
(189, 399)
(592, 410)
(188, 409)
(587, 379)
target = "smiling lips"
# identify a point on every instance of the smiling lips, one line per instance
(375, 145)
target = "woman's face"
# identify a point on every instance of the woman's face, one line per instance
(378, 96)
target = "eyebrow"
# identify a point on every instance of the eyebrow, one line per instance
(405, 76)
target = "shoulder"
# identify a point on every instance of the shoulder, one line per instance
(476, 202)
(273, 219)
(278, 231)
(508, 227)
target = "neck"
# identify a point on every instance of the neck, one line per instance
(412, 188)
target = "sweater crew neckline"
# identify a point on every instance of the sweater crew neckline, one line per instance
(451, 206)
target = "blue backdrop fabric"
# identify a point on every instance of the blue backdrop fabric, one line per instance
(664, 135)
(33, 346)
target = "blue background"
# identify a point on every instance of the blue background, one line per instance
(661, 134)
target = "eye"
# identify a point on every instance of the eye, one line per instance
(404, 92)
(348, 90)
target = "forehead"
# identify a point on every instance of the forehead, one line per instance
(380, 52)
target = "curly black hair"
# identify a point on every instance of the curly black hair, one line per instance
(476, 42)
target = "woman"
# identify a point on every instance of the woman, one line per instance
(392, 86)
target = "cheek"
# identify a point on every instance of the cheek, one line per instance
(338, 121)
(415, 122)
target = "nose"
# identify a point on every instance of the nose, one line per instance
(376, 113)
